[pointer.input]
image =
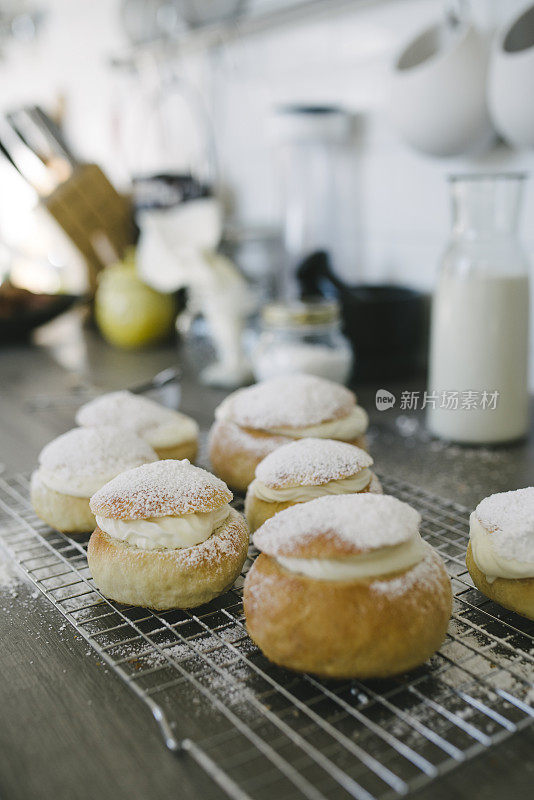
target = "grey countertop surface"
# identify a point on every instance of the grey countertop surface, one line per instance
(69, 728)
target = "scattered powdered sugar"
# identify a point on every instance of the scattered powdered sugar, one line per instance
(163, 488)
(127, 410)
(208, 657)
(10, 575)
(95, 451)
(428, 572)
(292, 401)
(311, 462)
(223, 546)
(257, 590)
(344, 524)
(510, 516)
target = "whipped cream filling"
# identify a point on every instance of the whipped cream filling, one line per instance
(301, 494)
(172, 533)
(346, 428)
(366, 565)
(489, 560)
(77, 485)
(171, 432)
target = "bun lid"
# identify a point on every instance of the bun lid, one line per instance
(311, 462)
(338, 526)
(162, 489)
(100, 451)
(289, 401)
(128, 410)
(509, 518)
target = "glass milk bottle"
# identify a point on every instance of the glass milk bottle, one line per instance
(478, 385)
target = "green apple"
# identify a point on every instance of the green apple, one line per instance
(128, 312)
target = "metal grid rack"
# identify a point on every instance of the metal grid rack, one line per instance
(275, 733)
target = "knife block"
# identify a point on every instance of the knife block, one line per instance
(96, 218)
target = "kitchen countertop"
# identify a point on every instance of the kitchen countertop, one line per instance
(69, 727)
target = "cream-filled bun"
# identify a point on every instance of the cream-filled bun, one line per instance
(303, 470)
(345, 587)
(252, 422)
(75, 465)
(500, 554)
(170, 433)
(166, 537)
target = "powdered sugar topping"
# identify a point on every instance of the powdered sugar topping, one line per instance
(429, 572)
(164, 488)
(159, 425)
(289, 401)
(311, 462)
(338, 525)
(94, 452)
(509, 516)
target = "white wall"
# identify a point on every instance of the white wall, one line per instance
(69, 59)
(65, 64)
(401, 221)
(404, 213)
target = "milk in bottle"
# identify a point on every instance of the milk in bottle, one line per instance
(478, 383)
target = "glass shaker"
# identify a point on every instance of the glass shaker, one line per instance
(312, 145)
(302, 337)
(478, 390)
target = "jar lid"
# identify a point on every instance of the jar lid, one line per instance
(320, 312)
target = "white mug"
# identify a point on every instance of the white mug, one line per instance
(436, 97)
(511, 80)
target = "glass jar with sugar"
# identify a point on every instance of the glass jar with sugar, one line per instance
(302, 337)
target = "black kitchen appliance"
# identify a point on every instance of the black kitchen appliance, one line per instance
(386, 324)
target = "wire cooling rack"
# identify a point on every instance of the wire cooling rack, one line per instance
(270, 732)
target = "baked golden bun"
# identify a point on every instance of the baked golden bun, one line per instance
(187, 451)
(171, 434)
(253, 422)
(371, 626)
(163, 579)
(517, 594)
(148, 564)
(500, 554)
(64, 512)
(75, 465)
(303, 470)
